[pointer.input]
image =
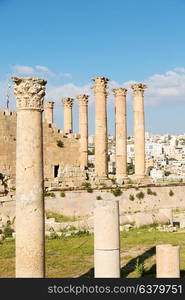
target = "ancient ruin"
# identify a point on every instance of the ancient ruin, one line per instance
(42, 162)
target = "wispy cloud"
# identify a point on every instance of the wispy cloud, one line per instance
(45, 70)
(25, 70)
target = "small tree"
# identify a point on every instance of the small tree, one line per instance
(140, 195)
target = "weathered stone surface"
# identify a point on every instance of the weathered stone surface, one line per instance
(121, 134)
(101, 147)
(106, 239)
(48, 111)
(139, 129)
(68, 118)
(30, 260)
(83, 129)
(167, 261)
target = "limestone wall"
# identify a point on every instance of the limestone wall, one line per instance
(80, 203)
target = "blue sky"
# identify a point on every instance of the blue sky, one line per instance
(69, 42)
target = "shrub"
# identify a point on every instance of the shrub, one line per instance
(86, 185)
(140, 195)
(131, 197)
(60, 144)
(98, 198)
(49, 194)
(140, 267)
(113, 180)
(117, 191)
(8, 230)
(89, 190)
(150, 192)
(62, 194)
(171, 193)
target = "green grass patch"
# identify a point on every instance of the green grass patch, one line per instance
(60, 218)
(73, 256)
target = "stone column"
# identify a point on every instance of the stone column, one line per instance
(30, 260)
(101, 142)
(68, 117)
(83, 129)
(106, 239)
(121, 134)
(48, 111)
(167, 261)
(139, 129)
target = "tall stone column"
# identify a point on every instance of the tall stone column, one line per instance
(83, 129)
(106, 239)
(68, 117)
(139, 129)
(48, 111)
(30, 260)
(121, 133)
(101, 142)
(167, 261)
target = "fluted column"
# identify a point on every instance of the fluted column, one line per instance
(83, 129)
(68, 118)
(139, 129)
(30, 260)
(48, 111)
(121, 133)
(101, 143)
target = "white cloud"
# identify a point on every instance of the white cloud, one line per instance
(167, 87)
(66, 90)
(25, 70)
(67, 75)
(45, 70)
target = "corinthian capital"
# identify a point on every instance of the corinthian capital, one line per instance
(83, 99)
(29, 92)
(68, 102)
(120, 92)
(100, 84)
(138, 88)
(48, 104)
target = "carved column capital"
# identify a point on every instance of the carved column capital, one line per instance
(100, 85)
(29, 92)
(120, 92)
(83, 99)
(68, 102)
(48, 104)
(138, 88)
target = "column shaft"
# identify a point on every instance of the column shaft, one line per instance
(121, 133)
(30, 260)
(106, 239)
(139, 130)
(167, 261)
(68, 118)
(48, 112)
(101, 142)
(83, 129)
